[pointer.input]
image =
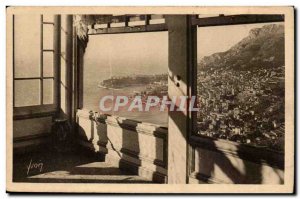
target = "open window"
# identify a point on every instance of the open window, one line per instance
(124, 59)
(239, 84)
(34, 73)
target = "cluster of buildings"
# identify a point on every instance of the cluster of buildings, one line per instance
(155, 85)
(132, 80)
(242, 106)
(157, 88)
(245, 106)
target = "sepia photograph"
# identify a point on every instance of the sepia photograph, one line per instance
(150, 99)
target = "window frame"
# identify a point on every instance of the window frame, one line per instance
(126, 29)
(246, 152)
(41, 109)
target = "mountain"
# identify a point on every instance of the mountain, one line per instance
(262, 48)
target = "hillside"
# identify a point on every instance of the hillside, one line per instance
(262, 48)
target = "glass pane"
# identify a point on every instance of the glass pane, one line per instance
(48, 18)
(127, 65)
(27, 35)
(27, 92)
(241, 84)
(48, 37)
(48, 91)
(48, 64)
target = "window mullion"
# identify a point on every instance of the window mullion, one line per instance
(49, 23)
(13, 60)
(41, 63)
(27, 78)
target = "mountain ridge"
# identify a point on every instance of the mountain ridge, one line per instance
(263, 47)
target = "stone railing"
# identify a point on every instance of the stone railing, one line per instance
(135, 146)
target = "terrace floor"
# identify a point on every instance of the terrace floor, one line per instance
(54, 167)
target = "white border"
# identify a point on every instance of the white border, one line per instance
(3, 3)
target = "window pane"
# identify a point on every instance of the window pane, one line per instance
(48, 91)
(27, 35)
(240, 84)
(48, 64)
(48, 37)
(27, 92)
(48, 18)
(127, 65)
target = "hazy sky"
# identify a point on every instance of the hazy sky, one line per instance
(147, 53)
(220, 38)
(142, 53)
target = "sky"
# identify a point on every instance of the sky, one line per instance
(117, 54)
(215, 39)
(148, 52)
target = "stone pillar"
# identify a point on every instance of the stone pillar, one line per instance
(181, 60)
(56, 60)
(69, 66)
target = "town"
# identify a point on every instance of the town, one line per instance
(242, 106)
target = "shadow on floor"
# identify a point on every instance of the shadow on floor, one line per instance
(73, 167)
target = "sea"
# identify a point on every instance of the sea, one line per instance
(123, 55)
(93, 94)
